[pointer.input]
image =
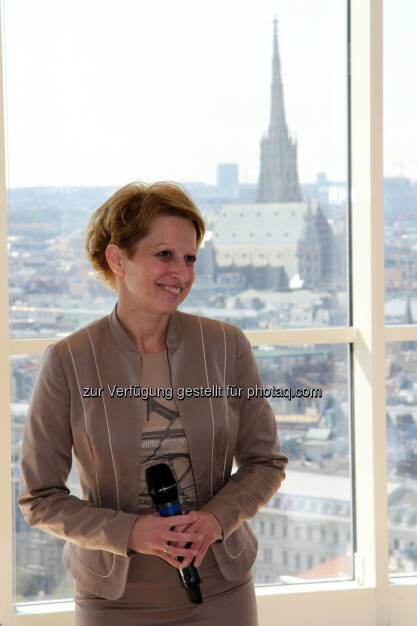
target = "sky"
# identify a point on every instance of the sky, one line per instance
(100, 92)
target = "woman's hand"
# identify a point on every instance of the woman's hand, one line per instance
(152, 533)
(202, 523)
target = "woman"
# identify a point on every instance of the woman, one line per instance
(145, 385)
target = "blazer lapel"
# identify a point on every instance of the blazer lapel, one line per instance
(115, 421)
(203, 417)
(121, 422)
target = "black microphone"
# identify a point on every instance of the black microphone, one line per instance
(163, 490)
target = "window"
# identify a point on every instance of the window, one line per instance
(267, 555)
(400, 194)
(401, 424)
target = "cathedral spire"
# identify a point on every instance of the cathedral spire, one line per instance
(277, 95)
(278, 177)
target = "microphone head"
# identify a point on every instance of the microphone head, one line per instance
(161, 483)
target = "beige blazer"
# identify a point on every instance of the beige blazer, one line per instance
(104, 433)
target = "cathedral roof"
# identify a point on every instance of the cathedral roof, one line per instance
(260, 235)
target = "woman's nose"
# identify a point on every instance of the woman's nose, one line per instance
(180, 270)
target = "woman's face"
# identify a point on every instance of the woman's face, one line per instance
(161, 273)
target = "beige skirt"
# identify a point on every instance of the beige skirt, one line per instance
(155, 596)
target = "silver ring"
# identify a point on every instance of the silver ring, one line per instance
(166, 548)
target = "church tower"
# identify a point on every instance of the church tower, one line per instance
(278, 178)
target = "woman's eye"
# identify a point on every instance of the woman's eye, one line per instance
(190, 259)
(165, 254)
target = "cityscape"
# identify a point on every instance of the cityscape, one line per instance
(275, 256)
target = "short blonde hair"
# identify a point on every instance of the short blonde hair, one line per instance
(125, 218)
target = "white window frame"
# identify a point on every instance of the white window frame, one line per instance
(369, 599)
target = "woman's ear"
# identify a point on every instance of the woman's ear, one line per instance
(115, 259)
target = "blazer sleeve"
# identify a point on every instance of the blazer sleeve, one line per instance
(257, 454)
(46, 459)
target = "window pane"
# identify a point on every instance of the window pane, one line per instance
(39, 572)
(400, 162)
(188, 104)
(52, 290)
(401, 401)
(305, 532)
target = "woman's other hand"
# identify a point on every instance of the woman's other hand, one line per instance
(152, 534)
(202, 523)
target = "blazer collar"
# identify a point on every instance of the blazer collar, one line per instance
(126, 343)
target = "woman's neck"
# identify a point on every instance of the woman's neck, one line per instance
(146, 329)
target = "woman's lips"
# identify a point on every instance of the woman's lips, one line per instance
(174, 290)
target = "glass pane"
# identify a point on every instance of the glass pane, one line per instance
(401, 406)
(305, 532)
(91, 117)
(39, 572)
(400, 162)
